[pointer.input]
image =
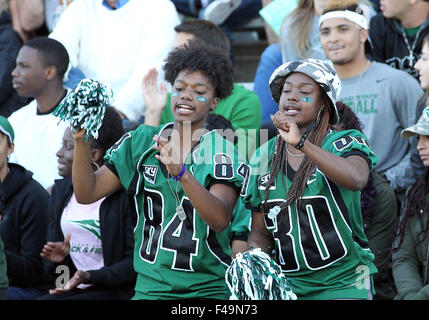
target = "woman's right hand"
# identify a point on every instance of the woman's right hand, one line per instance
(155, 100)
(79, 135)
(57, 251)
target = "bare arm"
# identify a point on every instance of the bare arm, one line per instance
(350, 173)
(90, 186)
(259, 236)
(31, 14)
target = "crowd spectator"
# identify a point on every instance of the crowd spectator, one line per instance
(242, 108)
(397, 33)
(187, 230)
(41, 64)
(299, 39)
(411, 243)
(383, 98)
(117, 42)
(10, 43)
(94, 241)
(410, 250)
(24, 223)
(305, 187)
(379, 213)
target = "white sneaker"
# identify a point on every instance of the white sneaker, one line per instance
(219, 10)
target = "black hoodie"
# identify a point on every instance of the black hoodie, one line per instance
(23, 228)
(389, 44)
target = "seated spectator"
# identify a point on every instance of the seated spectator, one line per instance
(24, 223)
(95, 241)
(299, 39)
(185, 194)
(410, 250)
(383, 98)
(41, 64)
(10, 43)
(380, 215)
(241, 108)
(397, 33)
(114, 42)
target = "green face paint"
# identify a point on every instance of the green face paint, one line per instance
(307, 99)
(202, 99)
(175, 94)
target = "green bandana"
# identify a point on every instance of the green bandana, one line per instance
(253, 275)
(84, 107)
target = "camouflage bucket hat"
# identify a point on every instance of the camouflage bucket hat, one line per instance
(420, 128)
(318, 70)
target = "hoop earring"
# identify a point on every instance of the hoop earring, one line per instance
(95, 164)
(319, 117)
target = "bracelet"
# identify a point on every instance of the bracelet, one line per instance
(180, 175)
(304, 136)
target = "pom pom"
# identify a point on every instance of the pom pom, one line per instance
(84, 107)
(253, 275)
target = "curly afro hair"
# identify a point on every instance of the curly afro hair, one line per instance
(196, 56)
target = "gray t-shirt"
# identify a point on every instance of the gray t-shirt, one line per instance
(287, 43)
(385, 100)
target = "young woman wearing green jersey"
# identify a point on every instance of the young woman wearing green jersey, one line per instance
(304, 188)
(184, 180)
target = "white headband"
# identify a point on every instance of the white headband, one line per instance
(355, 17)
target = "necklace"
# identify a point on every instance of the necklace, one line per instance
(293, 155)
(179, 209)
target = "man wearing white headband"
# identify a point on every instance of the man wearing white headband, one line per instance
(383, 98)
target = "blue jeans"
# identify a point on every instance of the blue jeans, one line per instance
(16, 293)
(270, 60)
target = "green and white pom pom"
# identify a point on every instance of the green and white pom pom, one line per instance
(84, 107)
(253, 275)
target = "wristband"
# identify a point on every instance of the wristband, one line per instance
(180, 175)
(304, 136)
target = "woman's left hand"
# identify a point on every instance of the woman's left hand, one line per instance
(287, 127)
(168, 155)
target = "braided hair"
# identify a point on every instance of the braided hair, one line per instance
(279, 157)
(414, 206)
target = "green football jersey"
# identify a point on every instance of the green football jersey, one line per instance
(174, 258)
(319, 240)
